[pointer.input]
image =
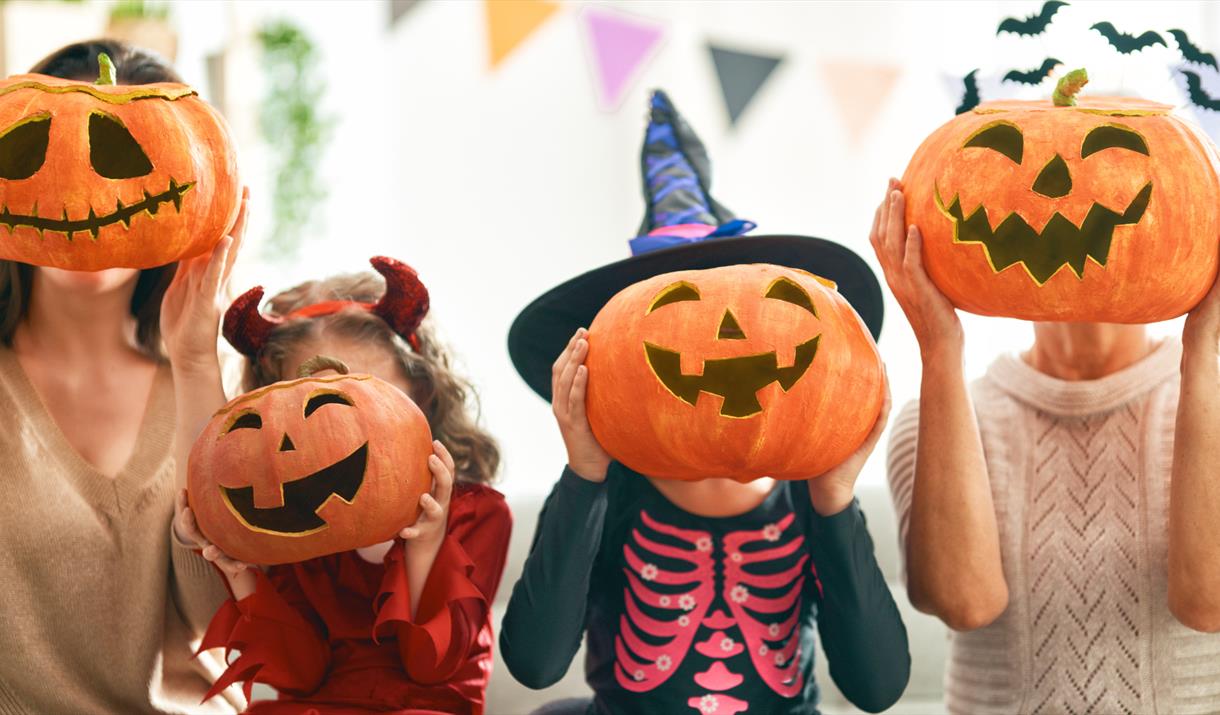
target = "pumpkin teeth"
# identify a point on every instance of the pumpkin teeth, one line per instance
(175, 195)
(149, 205)
(94, 224)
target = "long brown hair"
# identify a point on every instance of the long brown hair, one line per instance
(132, 66)
(447, 400)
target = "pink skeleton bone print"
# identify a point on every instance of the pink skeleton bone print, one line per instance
(712, 599)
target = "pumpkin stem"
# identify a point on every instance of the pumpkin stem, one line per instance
(105, 70)
(318, 363)
(1069, 85)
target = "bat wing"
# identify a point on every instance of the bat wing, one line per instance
(1198, 96)
(1034, 76)
(970, 99)
(1191, 52)
(1148, 39)
(1034, 24)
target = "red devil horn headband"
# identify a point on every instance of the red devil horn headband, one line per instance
(403, 307)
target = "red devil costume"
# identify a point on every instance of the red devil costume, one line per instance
(334, 635)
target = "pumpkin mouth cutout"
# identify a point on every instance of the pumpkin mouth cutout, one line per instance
(1043, 253)
(302, 498)
(93, 224)
(737, 380)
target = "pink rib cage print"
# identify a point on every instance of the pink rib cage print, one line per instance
(753, 613)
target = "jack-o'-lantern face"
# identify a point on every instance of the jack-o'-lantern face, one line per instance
(711, 373)
(1103, 211)
(96, 176)
(310, 467)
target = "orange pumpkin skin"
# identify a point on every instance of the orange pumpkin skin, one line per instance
(796, 431)
(68, 215)
(379, 419)
(1156, 268)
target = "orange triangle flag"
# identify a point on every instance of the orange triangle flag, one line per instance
(859, 89)
(510, 22)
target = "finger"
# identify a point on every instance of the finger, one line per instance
(557, 369)
(896, 219)
(442, 479)
(886, 239)
(569, 374)
(190, 527)
(873, 235)
(913, 258)
(238, 233)
(180, 501)
(580, 385)
(409, 533)
(443, 452)
(431, 508)
(213, 273)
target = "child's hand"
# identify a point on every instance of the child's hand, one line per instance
(569, 380)
(191, 308)
(239, 574)
(831, 492)
(1202, 329)
(428, 531)
(900, 251)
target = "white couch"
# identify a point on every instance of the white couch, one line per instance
(923, 695)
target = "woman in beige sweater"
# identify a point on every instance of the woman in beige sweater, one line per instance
(1046, 514)
(99, 606)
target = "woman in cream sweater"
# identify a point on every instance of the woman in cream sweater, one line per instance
(1047, 516)
(100, 606)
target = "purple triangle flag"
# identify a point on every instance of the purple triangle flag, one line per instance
(620, 44)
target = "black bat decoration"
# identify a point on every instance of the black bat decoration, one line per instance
(1191, 52)
(1198, 96)
(1034, 76)
(1125, 43)
(970, 99)
(1032, 25)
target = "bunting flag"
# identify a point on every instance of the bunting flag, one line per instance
(859, 90)
(741, 75)
(620, 45)
(511, 22)
(398, 8)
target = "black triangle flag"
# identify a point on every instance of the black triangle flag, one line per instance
(741, 75)
(398, 8)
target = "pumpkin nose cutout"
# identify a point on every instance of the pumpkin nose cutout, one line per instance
(286, 444)
(729, 329)
(1054, 180)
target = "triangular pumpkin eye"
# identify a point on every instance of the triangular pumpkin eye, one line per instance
(114, 153)
(23, 147)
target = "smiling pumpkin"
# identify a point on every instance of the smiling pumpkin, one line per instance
(740, 371)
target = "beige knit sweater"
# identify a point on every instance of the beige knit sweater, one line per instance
(1080, 477)
(98, 608)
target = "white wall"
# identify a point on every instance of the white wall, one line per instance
(499, 185)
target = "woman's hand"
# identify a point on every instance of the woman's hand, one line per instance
(832, 492)
(428, 531)
(191, 308)
(569, 380)
(186, 529)
(900, 252)
(1202, 330)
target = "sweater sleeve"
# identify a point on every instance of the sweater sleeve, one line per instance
(900, 467)
(197, 589)
(545, 620)
(859, 624)
(455, 603)
(281, 643)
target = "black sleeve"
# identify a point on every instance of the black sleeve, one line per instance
(861, 630)
(545, 619)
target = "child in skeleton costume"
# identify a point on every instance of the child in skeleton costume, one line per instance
(402, 626)
(698, 597)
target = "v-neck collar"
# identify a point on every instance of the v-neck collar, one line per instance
(110, 494)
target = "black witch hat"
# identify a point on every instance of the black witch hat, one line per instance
(684, 228)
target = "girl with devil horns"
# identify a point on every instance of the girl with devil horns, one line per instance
(403, 626)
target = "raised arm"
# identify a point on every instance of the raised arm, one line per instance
(859, 623)
(1194, 493)
(952, 543)
(545, 620)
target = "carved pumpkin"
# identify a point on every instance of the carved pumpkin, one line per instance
(741, 372)
(310, 467)
(1106, 210)
(96, 176)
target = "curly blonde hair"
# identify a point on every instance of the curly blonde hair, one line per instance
(447, 400)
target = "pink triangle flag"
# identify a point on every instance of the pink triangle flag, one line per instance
(620, 45)
(859, 89)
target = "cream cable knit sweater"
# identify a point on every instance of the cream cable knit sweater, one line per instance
(98, 608)
(1080, 478)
